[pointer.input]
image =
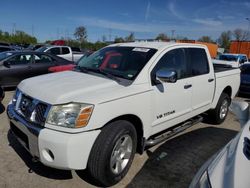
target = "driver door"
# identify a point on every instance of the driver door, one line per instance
(171, 101)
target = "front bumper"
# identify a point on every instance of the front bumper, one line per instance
(53, 148)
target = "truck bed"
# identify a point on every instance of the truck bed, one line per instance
(221, 68)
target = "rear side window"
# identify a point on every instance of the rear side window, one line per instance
(20, 59)
(55, 51)
(41, 58)
(65, 50)
(197, 58)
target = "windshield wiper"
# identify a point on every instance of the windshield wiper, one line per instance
(108, 75)
(83, 69)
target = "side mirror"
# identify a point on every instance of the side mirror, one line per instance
(163, 75)
(6, 64)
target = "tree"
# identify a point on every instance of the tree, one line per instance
(118, 40)
(130, 37)
(206, 39)
(241, 35)
(224, 39)
(81, 34)
(162, 36)
(19, 37)
(104, 38)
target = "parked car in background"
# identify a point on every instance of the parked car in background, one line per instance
(69, 67)
(65, 52)
(7, 48)
(230, 167)
(35, 47)
(1, 93)
(245, 79)
(233, 60)
(4, 44)
(120, 100)
(20, 65)
(61, 68)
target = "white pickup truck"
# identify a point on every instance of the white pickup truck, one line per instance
(233, 60)
(123, 99)
(65, 52)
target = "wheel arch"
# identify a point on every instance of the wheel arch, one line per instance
(137, 123)
(228, 90)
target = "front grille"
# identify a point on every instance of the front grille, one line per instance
(31, 109)
(246, 148)
(40, 110)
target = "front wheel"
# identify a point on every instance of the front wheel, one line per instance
(113, 153)
(219, 114)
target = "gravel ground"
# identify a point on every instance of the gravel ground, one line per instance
(170, 164)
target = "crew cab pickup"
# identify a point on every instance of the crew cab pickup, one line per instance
(65, 52)
(121, 99)
(233, 60)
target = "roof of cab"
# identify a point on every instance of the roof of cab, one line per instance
(155, 45)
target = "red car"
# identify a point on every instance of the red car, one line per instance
(60, 68)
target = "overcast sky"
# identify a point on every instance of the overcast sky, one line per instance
(50, 19)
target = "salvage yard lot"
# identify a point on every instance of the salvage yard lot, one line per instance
(170, 164)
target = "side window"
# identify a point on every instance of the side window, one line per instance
(173, 60)
(41, 58)
(20, 59)
(65, 50)
(198, 60)
(55, 51)
(244, 59)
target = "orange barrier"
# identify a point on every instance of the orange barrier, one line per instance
(240, 47)
(212, 48)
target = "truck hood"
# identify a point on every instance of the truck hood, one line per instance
(71, 86)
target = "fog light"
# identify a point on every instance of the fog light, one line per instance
(48, 155)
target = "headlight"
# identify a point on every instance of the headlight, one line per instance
(72, 115)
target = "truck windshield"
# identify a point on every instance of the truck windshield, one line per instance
(228, 57)
(123, 62)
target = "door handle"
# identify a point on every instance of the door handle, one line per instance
(187, 86)
(210, 80)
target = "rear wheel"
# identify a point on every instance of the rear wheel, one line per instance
(113, 153)
(219, 114)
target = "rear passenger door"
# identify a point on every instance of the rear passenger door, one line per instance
(66, 54)
(203, 81)
(42, 63)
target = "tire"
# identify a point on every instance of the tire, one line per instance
(104, 159)
(219, 114)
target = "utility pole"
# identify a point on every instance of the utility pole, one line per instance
(172, 36)
(248, 25)
(32, 30)
(110, 33)
(14, 29)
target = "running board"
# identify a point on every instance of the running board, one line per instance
(183, 126)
